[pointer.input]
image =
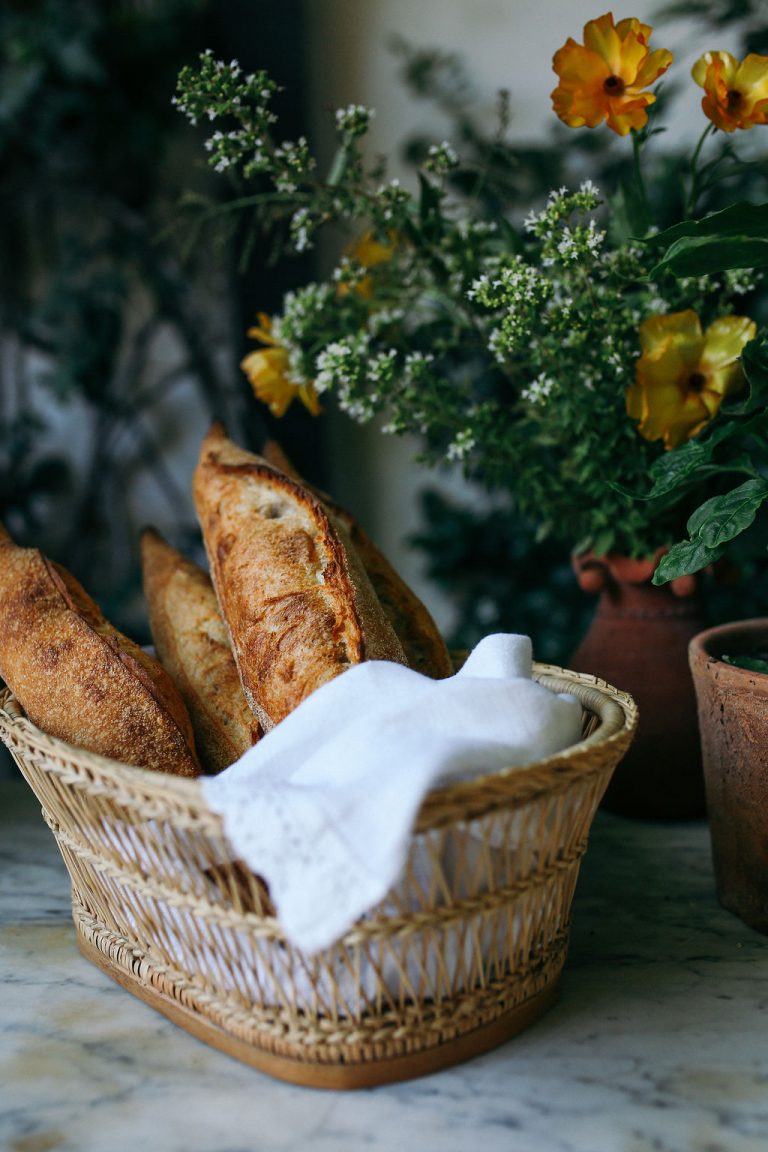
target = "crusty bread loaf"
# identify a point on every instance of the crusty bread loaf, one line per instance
(193, 646)
(297, 602)
(77, 677)
(425, 650)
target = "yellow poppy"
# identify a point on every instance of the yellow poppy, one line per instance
(735, 94)
(684, 373)
(604, 78)
(268, 370)
(369, 252)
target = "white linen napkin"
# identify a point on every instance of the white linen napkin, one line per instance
(323, 806)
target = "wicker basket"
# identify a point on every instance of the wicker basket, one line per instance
(465, 951)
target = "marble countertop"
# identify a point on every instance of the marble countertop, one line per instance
(658, 1043)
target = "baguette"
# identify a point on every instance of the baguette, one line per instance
(79, 678)
(297, 602)
(193, 646)
(424, 647)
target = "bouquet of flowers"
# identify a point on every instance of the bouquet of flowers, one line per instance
(606, 374)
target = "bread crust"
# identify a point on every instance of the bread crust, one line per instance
(298, 605)
(193, 646)
(80, 679)
(424, 647)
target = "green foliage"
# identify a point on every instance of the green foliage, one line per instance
(736, 237)
(499, 578)
(750, 663)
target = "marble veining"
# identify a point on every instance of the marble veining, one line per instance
(659, 1042)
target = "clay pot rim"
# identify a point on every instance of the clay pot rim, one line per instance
(706, 647)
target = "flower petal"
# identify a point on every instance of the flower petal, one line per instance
(655, 63)
(266, 371)
(577, 66)
(752, 78)
(309, 398)
(683, 329)
(580, 108)
(720, 65)
(672, 415)
(724, 341)
(632, 24)
(601, 37)
(622, 117)
(263, 330)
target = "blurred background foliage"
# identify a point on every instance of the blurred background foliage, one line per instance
(115, 342)
(112, 330)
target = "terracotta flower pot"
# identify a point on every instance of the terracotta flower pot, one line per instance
(638, 641)
(733, 719)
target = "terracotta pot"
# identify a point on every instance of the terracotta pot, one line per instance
(638, 641)
(733, 719)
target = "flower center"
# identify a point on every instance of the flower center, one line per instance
(613, 86)
(697, 382)
(734, 98)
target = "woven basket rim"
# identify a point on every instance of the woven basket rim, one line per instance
(615, 709)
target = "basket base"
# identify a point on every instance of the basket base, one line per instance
(321, 1075)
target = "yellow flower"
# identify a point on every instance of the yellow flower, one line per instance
(603, 79)
(684, 373)
(736, 94)
(268, 370)
(369, 252)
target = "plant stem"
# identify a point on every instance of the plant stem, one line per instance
(637, 145)
(693, 193)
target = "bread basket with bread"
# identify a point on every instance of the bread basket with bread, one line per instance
(113, 741)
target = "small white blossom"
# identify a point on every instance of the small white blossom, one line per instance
(461, 446)
(539, 391)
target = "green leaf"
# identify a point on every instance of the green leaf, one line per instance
(674, 468)
(683, 558)
(736, 237)
(750, 663)
(603, 541)
(739, 219)
(754, 361)
(721, 518)
(702, 255)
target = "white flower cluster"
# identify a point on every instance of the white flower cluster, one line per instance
(441, 159)
(461, 445)
(355, 374)
(392, 197)
(539, 391)
(575, 243)
(560, 204)
(292, 161)
(333, 365)
(521, 292)
(354, 120)
(301, 226)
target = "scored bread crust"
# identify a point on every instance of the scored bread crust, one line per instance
(191, 641)
(297, 602)
(424, 647)
(80, 679)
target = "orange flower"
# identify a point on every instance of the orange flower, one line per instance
(683, 374)
(268, 370)
(603, 79)
(735, 94)
(369, 252)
